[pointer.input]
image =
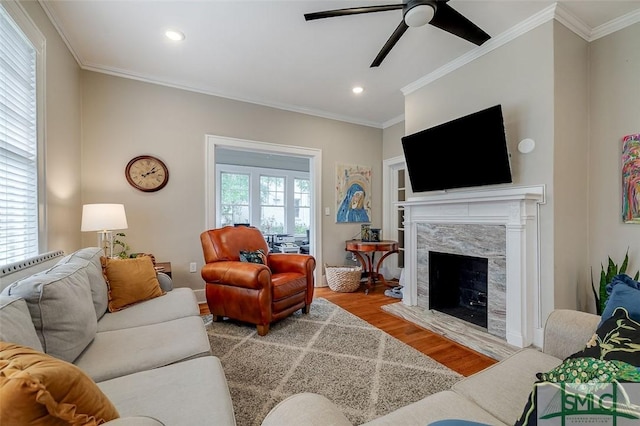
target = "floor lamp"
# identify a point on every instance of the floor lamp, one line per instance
(104, 218)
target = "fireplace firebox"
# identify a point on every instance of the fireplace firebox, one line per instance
(458, 286)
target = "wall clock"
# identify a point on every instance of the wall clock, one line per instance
(147, 173)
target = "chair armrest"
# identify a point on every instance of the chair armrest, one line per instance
(237, 274)
(309, 409)
(567, 331)
(291, 262)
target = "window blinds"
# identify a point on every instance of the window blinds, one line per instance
(18, 144)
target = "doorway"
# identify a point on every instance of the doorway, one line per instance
(313, 156)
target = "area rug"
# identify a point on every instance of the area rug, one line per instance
(365, 371)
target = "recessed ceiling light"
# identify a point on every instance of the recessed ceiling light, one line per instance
(357, 90)
(174, 35)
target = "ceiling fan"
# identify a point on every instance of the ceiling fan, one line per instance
(415, 13)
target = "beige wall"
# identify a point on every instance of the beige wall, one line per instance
(614, 101)
(124, 118)
(576, 100)
(62, 136)
(570, 171)
(519, 76)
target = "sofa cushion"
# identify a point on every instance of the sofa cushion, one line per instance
(516, 373)
(130, 350)
(16, 325)
(130, 281)
(161, 393)
(178, 303)
(90, 258)
(61, 307)
(439, 406)
(36, 388)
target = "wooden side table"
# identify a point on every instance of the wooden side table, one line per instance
(365, 252)
(164, 267)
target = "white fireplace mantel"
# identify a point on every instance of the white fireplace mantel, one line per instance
(514, 207)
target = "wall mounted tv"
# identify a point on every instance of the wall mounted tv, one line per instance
(466, 152)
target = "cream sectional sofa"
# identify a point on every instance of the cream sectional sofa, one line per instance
(152, 360)
(494, 396)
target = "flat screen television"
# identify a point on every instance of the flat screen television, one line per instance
(466, 152)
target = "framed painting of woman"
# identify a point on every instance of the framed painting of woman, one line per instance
(353, 185)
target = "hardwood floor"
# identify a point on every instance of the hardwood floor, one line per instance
(367, 306)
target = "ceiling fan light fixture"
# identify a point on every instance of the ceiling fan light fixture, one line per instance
(419, 15)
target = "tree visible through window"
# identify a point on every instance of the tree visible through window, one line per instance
(234, 198)
(272, 201)
(275, 201)
(302, 200)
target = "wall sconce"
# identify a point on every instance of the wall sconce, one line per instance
(104, 218)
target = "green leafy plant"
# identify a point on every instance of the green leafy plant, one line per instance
(606, 276)
(120, 247)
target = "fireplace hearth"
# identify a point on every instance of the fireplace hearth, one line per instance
(458, 286)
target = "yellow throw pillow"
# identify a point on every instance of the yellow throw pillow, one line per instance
(130, 281)
(38, 389)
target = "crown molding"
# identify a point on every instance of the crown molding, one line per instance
(554, 11)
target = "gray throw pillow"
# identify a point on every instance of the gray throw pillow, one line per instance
(61, 307)
(15, 323)
(90, 258)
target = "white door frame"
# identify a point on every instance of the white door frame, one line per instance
(390, 167)
(315, 175)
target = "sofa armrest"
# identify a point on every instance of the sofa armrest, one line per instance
(166, 283)
(309, 409)
(237, 274)
(568, 331)
(134, 421)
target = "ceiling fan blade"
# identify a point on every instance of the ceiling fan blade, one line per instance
(389, 44)
(352, 11)
(447, 19)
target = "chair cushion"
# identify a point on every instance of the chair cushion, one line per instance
(36, 388)
(130, 281)
(61, 308)
(17, 326)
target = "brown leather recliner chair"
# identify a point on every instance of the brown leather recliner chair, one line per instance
(255, 293)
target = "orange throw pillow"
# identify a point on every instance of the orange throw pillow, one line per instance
(38, 389)
(130, 281)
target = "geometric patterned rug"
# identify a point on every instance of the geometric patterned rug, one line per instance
(329, 351)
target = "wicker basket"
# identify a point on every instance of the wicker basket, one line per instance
(343, 279)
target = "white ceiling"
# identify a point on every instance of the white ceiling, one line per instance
(263, 51)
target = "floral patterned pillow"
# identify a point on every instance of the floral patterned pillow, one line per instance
(257, 256)
(617, 338)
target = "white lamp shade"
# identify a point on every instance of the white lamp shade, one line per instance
(103, 217)
(419, 15)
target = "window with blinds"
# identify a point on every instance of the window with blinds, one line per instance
(18, 144)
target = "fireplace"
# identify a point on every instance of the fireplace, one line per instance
(458, 286)
(499, 224)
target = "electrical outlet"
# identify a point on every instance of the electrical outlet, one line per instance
(192, 267)
(327, 212)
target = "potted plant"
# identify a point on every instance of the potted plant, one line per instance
(120, 247)
(606, 276)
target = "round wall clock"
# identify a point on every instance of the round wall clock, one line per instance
(147, 173)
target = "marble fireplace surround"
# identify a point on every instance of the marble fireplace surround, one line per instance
(501, 224)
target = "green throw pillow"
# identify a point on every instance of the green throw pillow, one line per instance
(617, 338)
(257, 256)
